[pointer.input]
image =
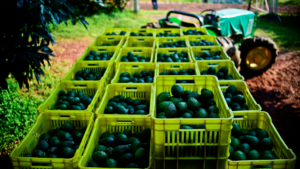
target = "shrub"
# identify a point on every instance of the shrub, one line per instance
(17, 113)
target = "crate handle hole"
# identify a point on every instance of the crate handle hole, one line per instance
(168, 31)
(102, 49)
(80, 85)
(186, 81)
(198, 38)
(131, 88)
(64, 115)
(143, 31)
(93, 64)
(170, 40)
(110, 38)
(205, 49)
(175, 66)
(141, 39)
(172, 51)
(135, 66)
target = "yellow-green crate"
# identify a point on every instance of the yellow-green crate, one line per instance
(133, 68)
(175, 66)
(195, 51)
(143, 31)
(140, 42)
(44, 123)
(143, 92)
(286, 158)
(241, 86)
(171, 51)
(202, 37)
(91, 65)
(114, 41)
(108, 50)
(169, 31)
(146, 52)
(117, 31)
(211, 152)
(161, 41)
(90, 88)
(218, 64)
(197, 29)
(111, 124)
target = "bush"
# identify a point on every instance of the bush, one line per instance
(113, 4)
(17, 113)
(25, 37)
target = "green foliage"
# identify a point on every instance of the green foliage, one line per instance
(113, 4)
(289, 2)
(285, 34)
(126, 19)
(25, 37)
(17, 113)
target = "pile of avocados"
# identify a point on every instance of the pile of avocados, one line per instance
(252, 144)
(58, 143)
(235, 99)
(209, 56)
(193, 32)
(221, 75)
(121, 105)
(178, 44)
(130, 57)
(143, 77)
(122, 150)
(72, 101)
(190, 71)
(173, 57)
(166, 34)
(96, 56)
(86, 74)
(140, 34)
(203, 42)
(114, 34)
(186, 104)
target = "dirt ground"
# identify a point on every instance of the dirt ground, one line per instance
(195, 7)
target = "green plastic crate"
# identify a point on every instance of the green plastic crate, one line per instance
(169, 31)
(242, 86)
(197, 29)
(117, 31)
(114, 41)
(286, 159)
(211, 152)
(90, 65)
(175, 66)
(143, 31)
(163, 40)
(200, 50)
(90, 88)
(170, 51)
(202, 37)
(218, 64)
(108, 50)
(140, 42)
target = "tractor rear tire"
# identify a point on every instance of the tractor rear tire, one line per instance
(231, 49)
(251, 45)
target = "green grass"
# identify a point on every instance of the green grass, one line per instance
(99, 22)
(286, 33)
(289, 2)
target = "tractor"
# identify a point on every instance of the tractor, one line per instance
(234, 30)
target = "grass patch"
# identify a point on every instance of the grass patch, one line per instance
(286, 33)
(99, 22)
(289, 2)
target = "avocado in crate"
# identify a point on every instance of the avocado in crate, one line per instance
(141, 34)
(235, 99)
(121, 105)
(174, 57)
(190, 71)
(209, 56)
(86, 74)
(72, 101)
(130, 57)
(193, 32)
(166, 34)
(58, 143)
(126, 150)
(142, 77)
(105, 44)
(93, 55)
(179, 44)
(186, 104)
(222, 74)
(253, 144)
(202, 42)
(115, 34)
